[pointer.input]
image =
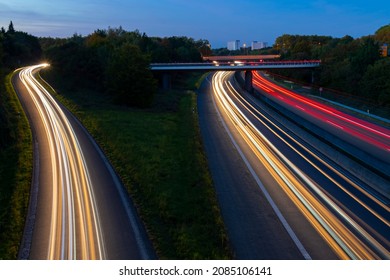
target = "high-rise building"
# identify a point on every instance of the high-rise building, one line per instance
(233, 45)
(258, 45)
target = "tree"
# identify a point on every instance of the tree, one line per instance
(366, 54)
(375, 83)
(19, 48)
(11, 28)
(79, 65)
(205, 50)
(129, 78)
(1, 48)
(382, 35)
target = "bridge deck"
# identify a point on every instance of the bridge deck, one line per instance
(222, 58)
(235, 66)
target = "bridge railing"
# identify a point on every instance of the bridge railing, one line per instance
(235, 65)
(238, 63)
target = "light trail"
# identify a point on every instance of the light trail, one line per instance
(365, 131)
(75, 229)
(345, 235)
(277, 132)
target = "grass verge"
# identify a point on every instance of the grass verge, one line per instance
(159, 156)
(15, 171)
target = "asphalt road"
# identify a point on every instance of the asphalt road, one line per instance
(324, 211)
(373, 139)
(80, 210)
(255, 230)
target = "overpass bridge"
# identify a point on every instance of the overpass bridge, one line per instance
(257, 57)
(236, 65)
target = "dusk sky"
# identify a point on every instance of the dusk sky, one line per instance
(218, 21)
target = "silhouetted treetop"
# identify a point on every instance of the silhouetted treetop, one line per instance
(382, 35)
(11, 28)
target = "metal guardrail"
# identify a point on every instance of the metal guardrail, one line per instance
(236, 65)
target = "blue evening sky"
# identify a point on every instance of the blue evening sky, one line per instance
(218, 21)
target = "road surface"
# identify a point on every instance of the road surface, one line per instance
(324, 210)
(80, 209)
(371, 138)
(255, 230)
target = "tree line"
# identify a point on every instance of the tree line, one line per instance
(117, 61)
(16, 49)
(354, 66)
(114, 61)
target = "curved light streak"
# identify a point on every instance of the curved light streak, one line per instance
(278, 132)
(75, 229)
(297, 184)
(370, 133)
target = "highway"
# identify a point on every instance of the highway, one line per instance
(326, 211)
(82, 210)
(367, 136)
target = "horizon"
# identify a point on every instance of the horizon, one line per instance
(247, 43)
(218, 22)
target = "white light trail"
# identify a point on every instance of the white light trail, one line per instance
(296, 183)
(75, 231)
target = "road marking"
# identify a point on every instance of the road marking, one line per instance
(280, 216)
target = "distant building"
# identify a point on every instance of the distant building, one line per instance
(233, 45)
(258, 45)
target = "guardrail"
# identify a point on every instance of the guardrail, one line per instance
(236, 65)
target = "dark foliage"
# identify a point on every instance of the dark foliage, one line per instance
(16, 49)
(129, 80)
(117, 61)
(348, 64)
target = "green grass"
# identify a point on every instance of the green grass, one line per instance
(159, 156)
(15, 172)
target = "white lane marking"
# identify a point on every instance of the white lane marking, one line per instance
(280, 216)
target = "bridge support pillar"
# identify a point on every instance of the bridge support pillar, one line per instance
(248, 81)
(166, 81)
